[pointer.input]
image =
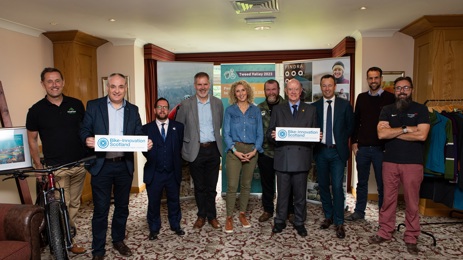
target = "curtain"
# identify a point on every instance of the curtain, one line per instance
(150, 88)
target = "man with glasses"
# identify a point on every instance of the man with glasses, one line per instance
(163, 169)
(405, 126)
(367, 148)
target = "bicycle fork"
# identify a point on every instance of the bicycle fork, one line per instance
(50, 196)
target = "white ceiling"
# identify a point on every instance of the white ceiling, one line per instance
(194, 26)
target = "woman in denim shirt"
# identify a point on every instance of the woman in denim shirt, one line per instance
(243, 135)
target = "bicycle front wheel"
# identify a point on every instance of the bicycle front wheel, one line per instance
(57, 243)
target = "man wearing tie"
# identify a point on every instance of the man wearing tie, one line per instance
(163, 169)
(292, 160)
(336, 118)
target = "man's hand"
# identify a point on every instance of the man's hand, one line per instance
(90, 142)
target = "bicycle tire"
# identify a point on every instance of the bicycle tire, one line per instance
(57, 243)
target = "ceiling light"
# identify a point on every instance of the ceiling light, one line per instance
(262, 28)
(363, 8)
(53, 23)
(260, 20)
(112, 20)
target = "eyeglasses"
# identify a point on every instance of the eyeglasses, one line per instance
(162, 107)
(405, 88)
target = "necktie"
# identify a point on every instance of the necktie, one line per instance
(294, 111)
(329, 125)
(163, 132)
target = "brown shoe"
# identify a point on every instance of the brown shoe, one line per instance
(243, 220)
(265, 216)
(214, 223)
(122, 248)
(340, 231)
(326, 223)
(412, 249)
(376, 239)
(76, 249)
(199, 223)
(229, 225)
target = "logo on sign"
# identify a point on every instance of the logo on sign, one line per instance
(282, 134)
(103, 143)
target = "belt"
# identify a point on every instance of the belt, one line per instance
(205, 145)
(115, 159)
(329, 146)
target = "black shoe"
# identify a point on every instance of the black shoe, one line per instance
(301, 231)
(98, 257)
(354, 217)
(179, 232)
(122, 248)
(340, 231)
(278, 227)
(326, 223)
(153, 235)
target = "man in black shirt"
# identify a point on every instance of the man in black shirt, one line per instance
(56, 118)
(405, 126)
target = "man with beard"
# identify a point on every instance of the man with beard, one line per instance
(163, 169)
(265, 160)
(405, 126)
(367, 148)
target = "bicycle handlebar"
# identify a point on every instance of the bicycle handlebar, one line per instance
(22, 173)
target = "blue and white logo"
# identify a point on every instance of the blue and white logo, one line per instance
(103, 143)
(282, 134)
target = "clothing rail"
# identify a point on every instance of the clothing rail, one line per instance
(452, 101)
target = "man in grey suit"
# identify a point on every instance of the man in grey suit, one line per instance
(202, 116)
(336, 118)
(292, 160)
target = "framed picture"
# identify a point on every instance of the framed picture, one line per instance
(14, 149)
(104, 82)
(388, 79)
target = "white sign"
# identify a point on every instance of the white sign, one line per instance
(121, 143)
(297, 134)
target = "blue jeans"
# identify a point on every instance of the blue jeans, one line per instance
(330, 171)
(367, 155)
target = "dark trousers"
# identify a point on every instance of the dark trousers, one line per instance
(366, 156)
(267, 180)
(205, 173)
(330, 171)
(113, 177)
(297, 182)
(167, 181)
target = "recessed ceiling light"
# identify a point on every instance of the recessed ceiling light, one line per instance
(112, 20)
(262, 28)
(363, 8)
(53, 23)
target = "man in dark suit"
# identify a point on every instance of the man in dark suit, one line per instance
(336, 118)
(111, 171)
(292, 160)
(202, 116)
(163, 169)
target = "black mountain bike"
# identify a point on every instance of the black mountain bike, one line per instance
(56, 212)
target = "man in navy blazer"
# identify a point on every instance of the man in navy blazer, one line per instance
(112, 172)
(163, 169)
(332, 152)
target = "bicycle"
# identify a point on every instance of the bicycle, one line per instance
(56, 212)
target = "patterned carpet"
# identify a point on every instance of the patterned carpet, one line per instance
(258, 242)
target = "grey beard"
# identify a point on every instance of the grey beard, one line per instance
(403, 104)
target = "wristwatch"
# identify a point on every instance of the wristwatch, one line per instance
(404, 129)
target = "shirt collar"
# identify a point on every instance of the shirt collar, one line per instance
(380, 91)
